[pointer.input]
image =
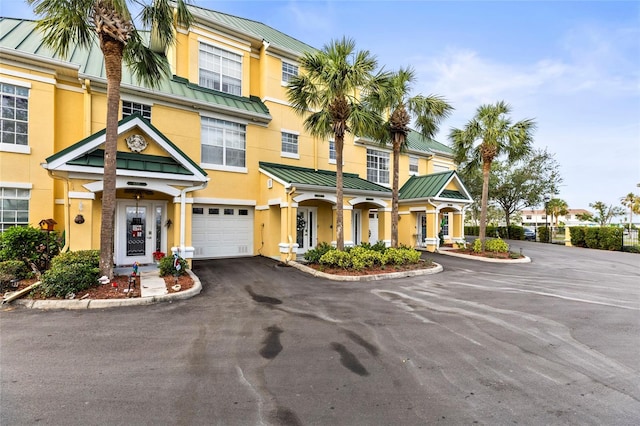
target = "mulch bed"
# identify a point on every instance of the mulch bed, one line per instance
(108, 291)
(489, 254)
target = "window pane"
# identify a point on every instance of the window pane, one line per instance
(220, 69)
(15, 114)
(14, 207)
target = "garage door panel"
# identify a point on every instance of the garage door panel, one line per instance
(216, 234)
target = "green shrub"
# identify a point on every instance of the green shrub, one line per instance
(29, 245)
(401, 256)
(12, 270)
(472, 230)
(577, 236)
(543, 234)
(71, 272)
(591, 237)
(497, 245)
(167, 266)
(363, 258)
(477, 245)
(336, 258)
(610, 238)
(314, 255)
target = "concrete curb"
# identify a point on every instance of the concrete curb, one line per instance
(391, 275)
(485, 259)
(112, 303)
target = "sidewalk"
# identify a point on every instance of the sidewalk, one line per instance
(152, 286)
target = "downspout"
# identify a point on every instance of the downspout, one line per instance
(183, 210)
(67, 218)
(289, 203)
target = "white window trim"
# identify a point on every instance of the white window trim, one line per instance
(18, 149)
(290, 155)
(286, 83)
(231, 50)
(389, 171)
(209, 166)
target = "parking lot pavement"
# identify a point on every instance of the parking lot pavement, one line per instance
(553, 341)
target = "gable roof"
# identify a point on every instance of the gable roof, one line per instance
(433, 186)
(86, 155)
(19, 37)
(299, 176)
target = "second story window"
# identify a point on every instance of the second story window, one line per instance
(413, 165)
(332, 152)
(15, 114)
(288, 71)
(130, 108)
(223, 143)
(220, 70)
(289, 145)
(378, 166)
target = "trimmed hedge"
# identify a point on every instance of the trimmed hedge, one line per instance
(29, 245)
(513, 232)
(602, 238)
(167, 266)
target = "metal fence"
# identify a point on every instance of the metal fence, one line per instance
(630, 239)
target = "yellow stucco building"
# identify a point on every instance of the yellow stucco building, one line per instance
(214, 164)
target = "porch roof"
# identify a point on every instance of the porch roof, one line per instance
(431, 186)
(302, 176)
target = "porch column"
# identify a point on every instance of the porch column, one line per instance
(384, 225)
(347, 225)
(457, 232)
(288, 246)
(431, 241)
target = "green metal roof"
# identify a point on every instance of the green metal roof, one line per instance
(457, 195)
(131, 161)
(417, 142)
(256, 29)
(428, 186)
(20, 35)
(302, 176)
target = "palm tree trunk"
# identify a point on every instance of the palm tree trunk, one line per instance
(486, 168)
(394, 191)
(339, 193)
(113, 64)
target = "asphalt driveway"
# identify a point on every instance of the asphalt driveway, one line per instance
(555, 341)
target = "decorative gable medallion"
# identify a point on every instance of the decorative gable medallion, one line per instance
(136, 143)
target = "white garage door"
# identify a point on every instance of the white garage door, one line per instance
(222, 231)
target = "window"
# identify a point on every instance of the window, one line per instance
(288, 71)
(223, 142)
(413, 165)
(14, 207)
(228, 212)
(130, 108)
(332, 152)
(377, 166)
(528, 217)
(220, 70)
(197, 210)
(243, 212)
(437, 168)
(15, 114)
(214, 211)
(290, 144)
(444, 224)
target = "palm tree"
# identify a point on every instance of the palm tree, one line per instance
(393, 100)
(632, 202)
(66, 24)
(487, 136)
(557, 207)
(326, 91)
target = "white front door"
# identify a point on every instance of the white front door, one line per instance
(306, 227)
(421, 231)
(373, 227)
(139, 231)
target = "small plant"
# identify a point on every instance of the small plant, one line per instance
(497, 245)
(314, 255)
(157, 255)
(30, 245)
(477, 246)
(169, 266)
(462, 245)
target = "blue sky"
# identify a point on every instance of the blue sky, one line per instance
(572, 66)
